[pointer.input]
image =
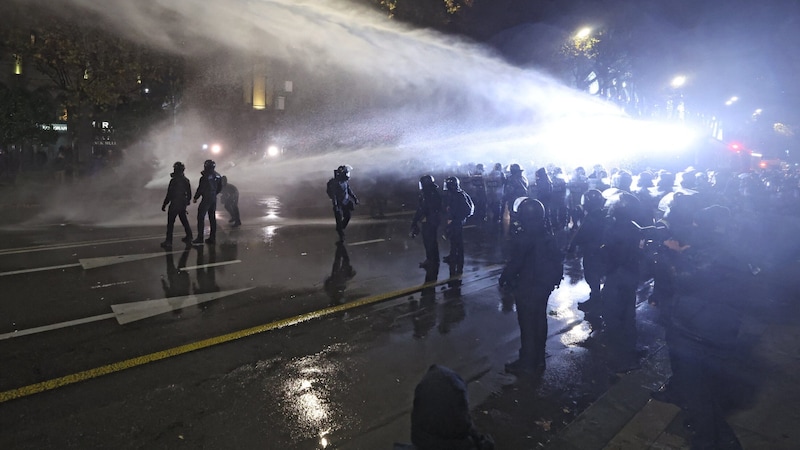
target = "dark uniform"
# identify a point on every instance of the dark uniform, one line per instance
(458, 207)
(711, 287)
(559, 213)
(179, 194)
(477, 190)
(589, 240)
(429, 215)
(495, 183)
(527, 277)
(342, 198)
(516, 186)
(209, 187)
(230, 200)
(577, 185)
(623, 256)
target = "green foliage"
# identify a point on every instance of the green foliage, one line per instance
(25, 116)
(87, 69)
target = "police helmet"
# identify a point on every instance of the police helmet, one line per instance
(452, 184)
(623, 206)
(515, 168)
(645, 179)
(479, 168)
(498, 166)
(209, 165)
(343, 172)
(593, 200)
(529, 212)
(178, 167)
(622, 180)
(427, 181)
(666, 181)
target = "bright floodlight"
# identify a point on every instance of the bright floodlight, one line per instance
(583, 33)
(678, 81)
(216, 148)
(273, 151)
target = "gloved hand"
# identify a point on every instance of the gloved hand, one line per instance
(164, 207)
(414, 231)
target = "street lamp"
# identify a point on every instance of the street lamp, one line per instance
(583, 33)
(678, 81)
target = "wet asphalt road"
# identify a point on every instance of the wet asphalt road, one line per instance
(110, 342)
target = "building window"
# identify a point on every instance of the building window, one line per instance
(17, 65)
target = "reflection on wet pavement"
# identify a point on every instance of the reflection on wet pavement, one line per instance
(271, 206)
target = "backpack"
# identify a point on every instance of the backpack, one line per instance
(550, 259)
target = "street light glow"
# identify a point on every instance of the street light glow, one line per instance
(678, 81)
(583, 33)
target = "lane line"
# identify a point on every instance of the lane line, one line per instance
(203, 266)
(39, 269)
(366, 242)
(119, 366)
(56, 326)
(46, 247)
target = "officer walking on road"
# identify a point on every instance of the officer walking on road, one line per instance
(210, 186)
(342, 197)
(429, 215)
(178, 197)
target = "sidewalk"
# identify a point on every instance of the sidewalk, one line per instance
(625, 417)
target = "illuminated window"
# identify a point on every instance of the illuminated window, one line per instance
(259, 86)
(17, 65)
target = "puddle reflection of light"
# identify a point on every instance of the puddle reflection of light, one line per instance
(269, 232)
(272, 207)
(307, 395)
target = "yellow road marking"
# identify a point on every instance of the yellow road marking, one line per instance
(180, 350)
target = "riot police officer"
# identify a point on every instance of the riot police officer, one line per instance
(458, 208)
(209, 187)
(495, 182)
(623, 257)
(179, 194)
(230, 200)
(589, 240)
(516, 186)
(477, 190)
(533, 271)
(577, 185)
(428, 214)
(342, 197)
